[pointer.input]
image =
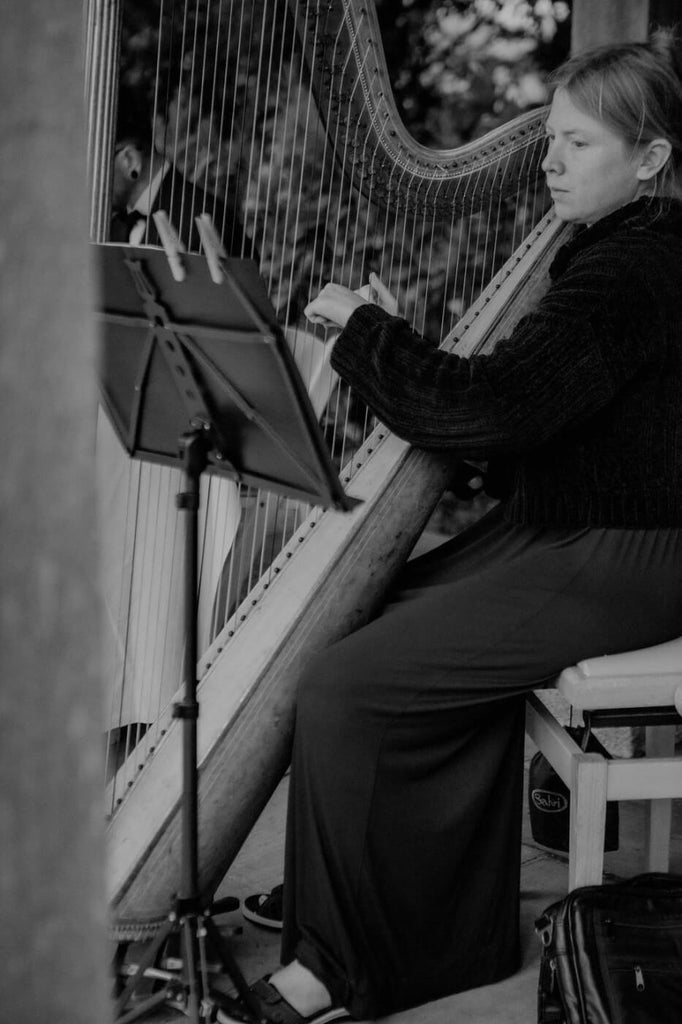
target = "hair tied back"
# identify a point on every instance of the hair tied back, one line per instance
(665, 43)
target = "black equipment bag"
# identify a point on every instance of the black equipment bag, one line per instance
(612, 954)
(549, 800)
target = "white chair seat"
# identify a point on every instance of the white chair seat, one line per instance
(646, 678)
(649, 677)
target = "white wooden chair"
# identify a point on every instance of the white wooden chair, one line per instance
(642, 687)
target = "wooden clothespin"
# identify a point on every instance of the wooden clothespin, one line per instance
(171, 243)
(214, 251)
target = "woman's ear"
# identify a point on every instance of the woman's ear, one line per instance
(653, 158)
(129, 160)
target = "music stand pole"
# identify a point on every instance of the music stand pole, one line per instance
(188, 917)
(187, 710)
(196, 921)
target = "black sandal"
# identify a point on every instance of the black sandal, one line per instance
(273, 1007)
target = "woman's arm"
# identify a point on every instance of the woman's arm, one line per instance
(590, 334)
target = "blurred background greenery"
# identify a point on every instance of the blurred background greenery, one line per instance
(461, 67)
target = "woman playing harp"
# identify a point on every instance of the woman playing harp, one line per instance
(403, 836)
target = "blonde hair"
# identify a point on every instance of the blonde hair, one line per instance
(636, 90)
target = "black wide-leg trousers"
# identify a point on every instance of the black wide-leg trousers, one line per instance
(403, 833)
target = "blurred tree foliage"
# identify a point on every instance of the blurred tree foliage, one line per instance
(461, 67)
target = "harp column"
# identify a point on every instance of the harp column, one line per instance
(103, 40)
(52, 923)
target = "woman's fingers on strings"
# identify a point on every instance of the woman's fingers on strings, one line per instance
(318, 309)
(333, 305)
(316, 318)
(377, 292)
(381, 295)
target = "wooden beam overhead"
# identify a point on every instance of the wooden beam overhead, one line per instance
(598, 22)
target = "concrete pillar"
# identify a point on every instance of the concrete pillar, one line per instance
(596, 22)
(53, 945)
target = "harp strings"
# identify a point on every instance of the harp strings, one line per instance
(234, 111)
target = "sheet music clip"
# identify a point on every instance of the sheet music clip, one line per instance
(214, 251)
(171, 243)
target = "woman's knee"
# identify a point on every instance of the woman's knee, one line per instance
(325, 690)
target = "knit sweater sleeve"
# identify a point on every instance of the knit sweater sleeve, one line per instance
(591, 333)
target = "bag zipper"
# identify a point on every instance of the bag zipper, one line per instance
(572, 946)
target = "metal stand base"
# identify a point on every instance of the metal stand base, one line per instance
(181, 967)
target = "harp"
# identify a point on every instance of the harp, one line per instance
(282, 109)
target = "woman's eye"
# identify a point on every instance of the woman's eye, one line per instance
(579, 144)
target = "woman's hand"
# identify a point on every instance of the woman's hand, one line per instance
(335, 303)
(333, 306)
(377, 292)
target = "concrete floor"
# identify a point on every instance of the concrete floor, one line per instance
(543, 880)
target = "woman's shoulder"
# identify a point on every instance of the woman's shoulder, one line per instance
(640, 233)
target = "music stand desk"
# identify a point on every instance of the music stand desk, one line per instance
(176, 354)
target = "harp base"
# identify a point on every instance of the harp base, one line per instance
(189, 926)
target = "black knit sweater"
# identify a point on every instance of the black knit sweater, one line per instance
(584, 398)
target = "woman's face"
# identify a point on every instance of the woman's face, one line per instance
(590, 170)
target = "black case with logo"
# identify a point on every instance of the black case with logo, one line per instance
(549, 801)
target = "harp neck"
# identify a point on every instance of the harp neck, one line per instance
(343, 51)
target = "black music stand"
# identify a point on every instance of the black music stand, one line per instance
(200, 373)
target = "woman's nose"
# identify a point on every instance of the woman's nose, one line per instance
(552, 159)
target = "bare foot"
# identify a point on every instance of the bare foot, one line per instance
(301, 989)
